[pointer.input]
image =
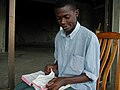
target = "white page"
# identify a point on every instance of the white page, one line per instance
(28, 78)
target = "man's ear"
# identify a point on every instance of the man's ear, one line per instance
(77, 12)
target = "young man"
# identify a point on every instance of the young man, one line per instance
(77, 51)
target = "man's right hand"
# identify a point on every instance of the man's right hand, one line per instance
(50, 67)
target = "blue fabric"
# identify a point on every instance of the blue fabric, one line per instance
(78, 53)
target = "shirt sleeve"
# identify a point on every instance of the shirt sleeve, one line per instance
(92, 59)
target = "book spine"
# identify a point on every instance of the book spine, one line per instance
(26, 81)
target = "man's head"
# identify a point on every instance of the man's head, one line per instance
(66, 14)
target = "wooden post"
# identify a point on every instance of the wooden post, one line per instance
(11, 66)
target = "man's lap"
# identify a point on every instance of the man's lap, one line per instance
(24, 86)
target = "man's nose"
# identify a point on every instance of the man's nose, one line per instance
(63, 21)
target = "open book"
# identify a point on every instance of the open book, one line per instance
(39, 80)
(28, 78)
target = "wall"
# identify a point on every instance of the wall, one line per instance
(85, 15)
(2, 24)
(36, 23)
(116, 16)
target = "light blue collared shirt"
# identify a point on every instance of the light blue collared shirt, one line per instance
(78, 53)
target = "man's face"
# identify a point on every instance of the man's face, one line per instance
(66, 17)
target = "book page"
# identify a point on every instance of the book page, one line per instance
(64, 87)
(42, 80)
(28, 78)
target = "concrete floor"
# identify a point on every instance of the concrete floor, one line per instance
(27, 60)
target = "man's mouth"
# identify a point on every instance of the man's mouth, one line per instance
(65, 27)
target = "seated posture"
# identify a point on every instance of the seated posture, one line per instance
(77, 52)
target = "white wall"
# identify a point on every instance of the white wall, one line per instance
(116, 16)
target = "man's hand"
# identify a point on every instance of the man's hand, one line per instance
(50, 67)
(55, 83)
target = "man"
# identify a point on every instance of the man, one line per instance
(76, 54)
(77, 51)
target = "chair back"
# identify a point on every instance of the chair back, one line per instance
(109, 49)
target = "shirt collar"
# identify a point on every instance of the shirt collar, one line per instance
(73, 32)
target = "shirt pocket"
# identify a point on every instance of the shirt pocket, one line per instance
(77, 64)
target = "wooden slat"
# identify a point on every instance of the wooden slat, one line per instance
(103, 62)
(109, 64)
(105, 56)
(103, 46)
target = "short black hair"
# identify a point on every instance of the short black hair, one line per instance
(62, 3)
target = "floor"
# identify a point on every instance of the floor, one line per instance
(27, 60)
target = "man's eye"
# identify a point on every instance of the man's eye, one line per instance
(58, 18)
(67, 17)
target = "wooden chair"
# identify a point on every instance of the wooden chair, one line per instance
(110, 48)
